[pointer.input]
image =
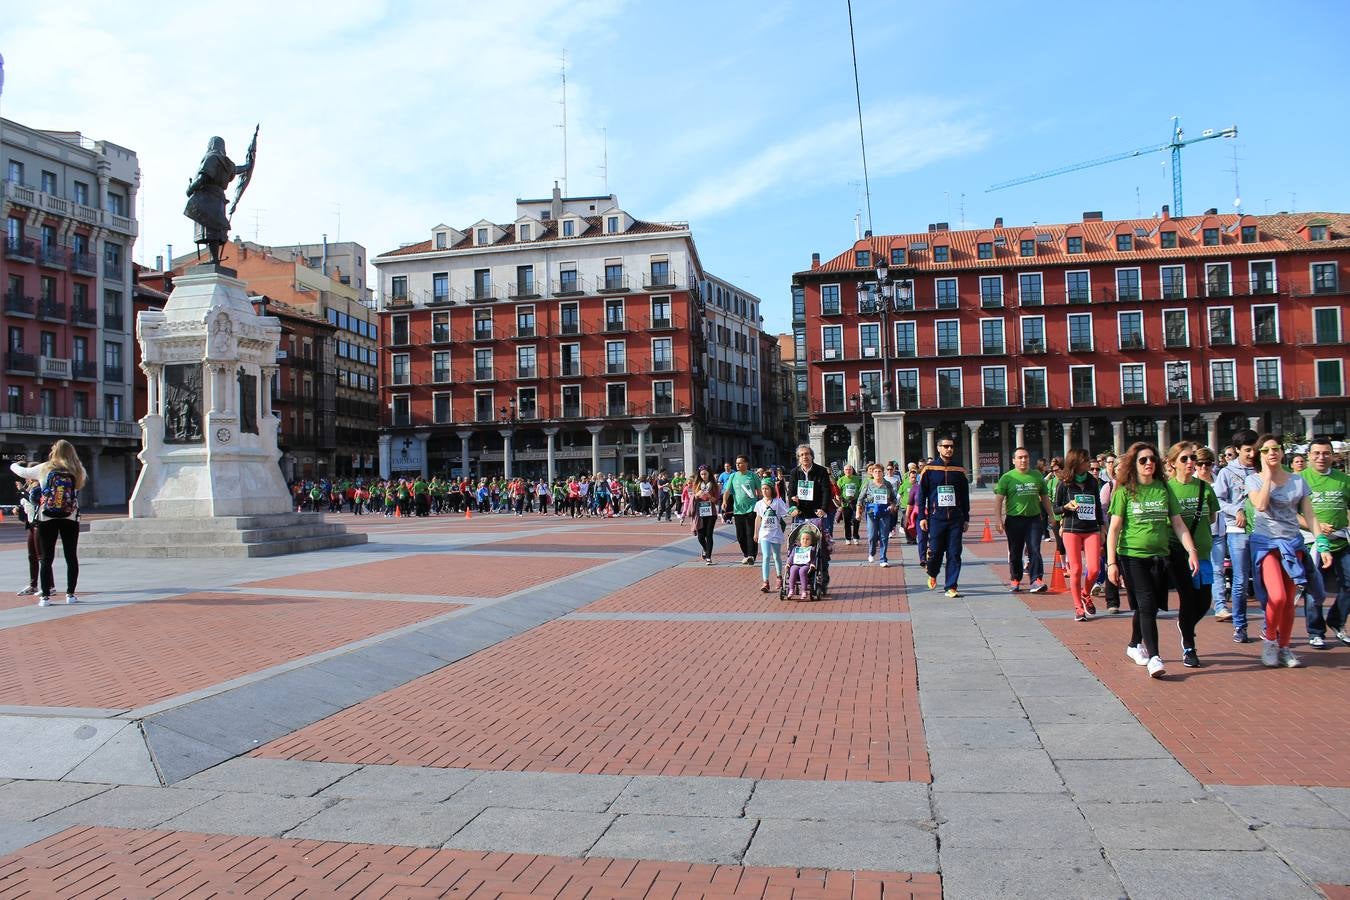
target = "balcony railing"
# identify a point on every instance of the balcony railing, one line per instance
(114, 374)
(484, 293)
(19, 305)
(51, 310)
(526, 332)
(1314, 339)
(1132, 342)
(991, 301)
(998, 349)
(84, 368)
(65, 425)
(524, 291)
(525, 373)
(52, 367)
(83, 315)
(482, 334)
(18, 361)
(84, 263)
(21, 248)
(613, 284)
(616, 368)
(567, 329)
(615, 326)
(569, 287)
(483, 374)
(113, 321)
(661, 365)
(52, 255)
(659, 281)
(1032, 347)
(1265, 335)
(570, 369)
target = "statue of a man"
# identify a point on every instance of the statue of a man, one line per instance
(206, 194)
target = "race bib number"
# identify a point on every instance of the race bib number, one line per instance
(705, 510)
(806, 490)
(801, 556)
(879, 497)
(1087, 506)
(850, 491)
(946, 496)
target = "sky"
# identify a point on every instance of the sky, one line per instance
(380, 120)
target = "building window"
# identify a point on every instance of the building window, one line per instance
(907, 388)
(526, 362)
(1178, 381)
(799, 343)
(112, 407)
(1327, 325)
(832, 341)
(524, 232)
(1074, 245)
(1262, 276)
(1223, 379)
(869, 339)
(1167, 239)
(569, 360)
(616, 396)
(440, 366)
(905, 344)
(1078, 287)
(399, 374)
(948, 337)
(798, 303)
(949, 388)
(440, 287)
(1324, 278)
(1249, 234)
(482, 324)
(660, 273)
(112, 361)
(14, 400)
(1033, 388)
(440, 240)
(1029, 289)
(1221, 326)
(1124, 242)
(440, 328)
(834, 392)
(440, 407)
(567, 281)
(1330, 378)
(525, 321)
(398, 287)
(862, 259)
(612, 224)
(47, 344)
(614, 315)
(984, 250)
(829, 300)
(995, 385)
(14, 172)
(1265, 325)
(481, 237)
(991, 337)
(614, 279)
(1127, 284)
(1173, 282)
(482, 365)
(897, 256)
(569, 228)
(401, 412)
(1080, 333)
(1217, 280)
(1027, 247)
(1130, 327)
(482, 284)
(1033, 334)
(483, 410)
(1210, 237)
(946, 293)
(1082, 385)
(1176, 329)
(615, 357)
(1267, 378)
(991, 290)
(869, 389)
(663, 398)
(571, 401)
(569, 319)
(941, 253)
(1132, 383)
(399, 330)
(663, 355)
(1317, 232)
(661, 312)
(112, 261)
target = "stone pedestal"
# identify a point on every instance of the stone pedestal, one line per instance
(210, 482)
(890, 437)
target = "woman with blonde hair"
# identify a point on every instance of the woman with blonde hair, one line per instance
(1198, 505)
(60, 478)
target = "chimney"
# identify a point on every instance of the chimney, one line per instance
(555, 207)
(1166, 212)
(324, 257)
(815, 260)
(1212, 211)
(941, 226)
(867, 233)
(159, 264)
(1092, 215)
(998, 222)
(168, 254)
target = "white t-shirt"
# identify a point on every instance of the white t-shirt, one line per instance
(771, 514)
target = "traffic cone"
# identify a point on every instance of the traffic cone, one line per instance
(1057, 583)
(988, 536)
(2, 514)
(398, 512)
(468, 513)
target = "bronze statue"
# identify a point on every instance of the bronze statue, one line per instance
(206, 194)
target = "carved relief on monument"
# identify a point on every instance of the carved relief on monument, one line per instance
(183, 404)
(222, 334)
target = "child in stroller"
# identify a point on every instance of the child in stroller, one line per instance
(809, 542)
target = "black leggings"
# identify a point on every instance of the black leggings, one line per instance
(850, 522)
(34, 554)
(706, 524)
(745, 534)
(1146, 586)
(1193, 601)
(69, 532)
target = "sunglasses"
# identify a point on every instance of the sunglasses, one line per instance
(946, 446)
(1208, 462)
(1272, 449)
(1185, 458)
(1146, 460)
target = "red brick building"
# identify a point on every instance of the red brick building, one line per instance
(303, 396)
(1083, 334)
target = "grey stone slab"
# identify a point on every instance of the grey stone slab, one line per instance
(684, 796)
(932, 678)
(400, 655)
(413, 783)
(841, 801)
(263, 815)
(1048, 651)
(1185, 825)
(1129, 781)
(130, 807)
(123, 759)
(970, 704)
(275, 701)
(176, 755)
(324, 687)
(399, 822)
(1042, 668)
(981, 873)
(17, 835)
(48, 747)
(29, 800)
(1069, 710)
(1336, 798)
(363, 671)
(977, 771)
(544, 831)
(1012, 822)
(282, 777)
(1101, 741)
(227, 721)
(543, 790)
(691, 839)
(1068, 684)
(429, 645)
(886, 846)
(1233, 875)
(1320, 854)
(1261, 805)
(981, 734)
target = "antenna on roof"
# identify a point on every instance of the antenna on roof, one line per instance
(1237, 191)
(1138, 204)
(563, 126)
(604, 159)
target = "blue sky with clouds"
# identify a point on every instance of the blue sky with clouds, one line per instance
(380, 120)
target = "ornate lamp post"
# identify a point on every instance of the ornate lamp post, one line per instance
(883, 297)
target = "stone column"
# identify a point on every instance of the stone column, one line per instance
(269, 374)
(816, 433)
(1066, 428)
(1004, 451)
(855, 440)
(383, 443)
(930, 441)
(641, 448)
(1212, 426)
(423, 439)
(1117, 436)
(595, 446)
(464, 435)
(974, 462)
(1308, 416)
(506, 451)
(153, 373)
(687, 441)
(1161, 425)
(1254, 423)
(1019, 435)
(552, 453)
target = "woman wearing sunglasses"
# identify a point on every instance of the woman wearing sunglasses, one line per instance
(1143, 511)
(1198, 505)
(1279, 556)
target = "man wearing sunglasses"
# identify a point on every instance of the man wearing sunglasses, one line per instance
(944, 512)
(1330, 494)
(1230, 486)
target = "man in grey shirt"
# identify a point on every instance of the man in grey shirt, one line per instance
(1230, 486)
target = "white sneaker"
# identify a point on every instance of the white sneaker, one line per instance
(871, 559)
(1155, 668)
(1289, 660)
(1270, 653)
(884, 564)
(43, 601)
(71, 598)
(1136, 653)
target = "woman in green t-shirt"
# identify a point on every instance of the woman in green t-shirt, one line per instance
(1142, 513)
(849, 484)
(1198, 506)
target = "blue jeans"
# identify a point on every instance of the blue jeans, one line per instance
(878, 532)
(1238, 556)
(1339, 611)
(1217, 551)
(944, 538)
(769, 548)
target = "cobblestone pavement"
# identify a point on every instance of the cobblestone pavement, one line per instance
(529, 706)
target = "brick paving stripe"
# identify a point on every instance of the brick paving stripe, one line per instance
(131, 656)
(445, 574)
(831, 701)
(130, 863)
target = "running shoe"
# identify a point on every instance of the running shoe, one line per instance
(953, 593)
(884, 564)
(43, 601)
(1189, 659)
(1270, 653)
(1223, 615)
(1156, 668)
(1080, 617)
(1317, 642)
(71, 598)
(707, 560)
(932, 583)
(26, 591)
(1014, 586)
(871, 558)
(1136, 653)
(1038, 587)
(764, 588)
(1343, 636)
(1091, 610)
(1112, 610)
(1289, 660)
(1097, 589)
(1240, 635)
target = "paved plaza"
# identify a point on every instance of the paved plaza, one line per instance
(540, 707)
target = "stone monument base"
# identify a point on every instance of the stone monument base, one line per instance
(214, 537)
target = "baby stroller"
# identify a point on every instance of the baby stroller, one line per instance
(818, 583)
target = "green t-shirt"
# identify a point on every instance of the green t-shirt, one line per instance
(849, 485)
(1148, 511)
(1023, 492)
(1197, 502)
(744, 490)
(1052, 488)
(1330, 494)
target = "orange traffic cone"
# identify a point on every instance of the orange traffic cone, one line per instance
(2, 514)
(468, 513)
(1057, 583)
(988, 536)
(398, 512)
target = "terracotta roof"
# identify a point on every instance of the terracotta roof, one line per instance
(286, 311)
(550, 233)
(1275, 233)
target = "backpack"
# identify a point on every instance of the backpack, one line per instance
(59, 499)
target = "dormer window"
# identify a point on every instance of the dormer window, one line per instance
(612, 224)
(1167, 240)
(1210, 237)
(1073, 245)
(1027, 247)
(441, 240)
(1124, 242)
(985, 250)
(862, 259)
(1249, 234)
(569, 228)
(524, 232)
(1317, 232)
(481, 238)
(941, 253)
(897, 256)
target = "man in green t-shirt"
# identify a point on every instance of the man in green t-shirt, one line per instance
(849, 484)
(1022, 491)
(739, 499)
(1330, 498)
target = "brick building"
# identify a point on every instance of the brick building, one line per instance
(1095, 333)
(575, 338)
(304, 395)
(68, 209)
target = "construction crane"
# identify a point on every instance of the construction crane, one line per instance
(1178, 141)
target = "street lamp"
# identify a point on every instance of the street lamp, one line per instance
(862, 403)
(882, 297)
(1178, 383)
